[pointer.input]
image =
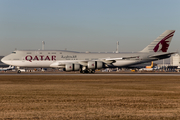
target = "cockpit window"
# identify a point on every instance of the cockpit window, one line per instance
(14, 52)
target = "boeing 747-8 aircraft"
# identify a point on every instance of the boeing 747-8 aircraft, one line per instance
(89, 62)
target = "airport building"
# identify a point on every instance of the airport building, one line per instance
(175, 60)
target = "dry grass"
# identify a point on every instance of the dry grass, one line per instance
(89, 97)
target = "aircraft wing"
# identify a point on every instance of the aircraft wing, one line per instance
(85, 62)
(64, 63)
(122, 58)
(113, 60)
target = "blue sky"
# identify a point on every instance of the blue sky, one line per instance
(86, 25)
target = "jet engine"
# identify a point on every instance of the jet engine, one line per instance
(72, 67)
(95, 64)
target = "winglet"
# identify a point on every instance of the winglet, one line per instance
(161, 43)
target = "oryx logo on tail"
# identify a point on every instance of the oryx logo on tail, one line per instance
(164, 43)
(161, 43)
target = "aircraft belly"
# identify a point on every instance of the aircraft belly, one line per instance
(31, 64)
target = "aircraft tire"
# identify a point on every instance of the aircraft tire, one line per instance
(83, 71)
(93, 71)
(19, 71)
(89, 71)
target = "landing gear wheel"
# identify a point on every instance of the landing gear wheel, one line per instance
(89, 71)
(93, 71)
(83, 71)
(19, 71)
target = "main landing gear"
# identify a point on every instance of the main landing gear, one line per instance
(90, 71)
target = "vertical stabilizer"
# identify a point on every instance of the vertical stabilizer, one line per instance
(161, 43)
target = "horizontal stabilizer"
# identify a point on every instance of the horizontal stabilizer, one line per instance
(165, 55)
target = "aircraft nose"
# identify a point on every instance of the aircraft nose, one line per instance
(6, 60)
(3, 60)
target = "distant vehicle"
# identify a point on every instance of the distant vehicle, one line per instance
(7, 68)
(149, 68)
(44, 69)
(88, 62)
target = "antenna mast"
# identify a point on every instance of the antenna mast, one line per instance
(117, 47)
(43, 43)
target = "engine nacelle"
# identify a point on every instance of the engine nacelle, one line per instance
(72, 67)
(95, 64)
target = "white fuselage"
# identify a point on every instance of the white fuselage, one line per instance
(43, 58)
(88, 62)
